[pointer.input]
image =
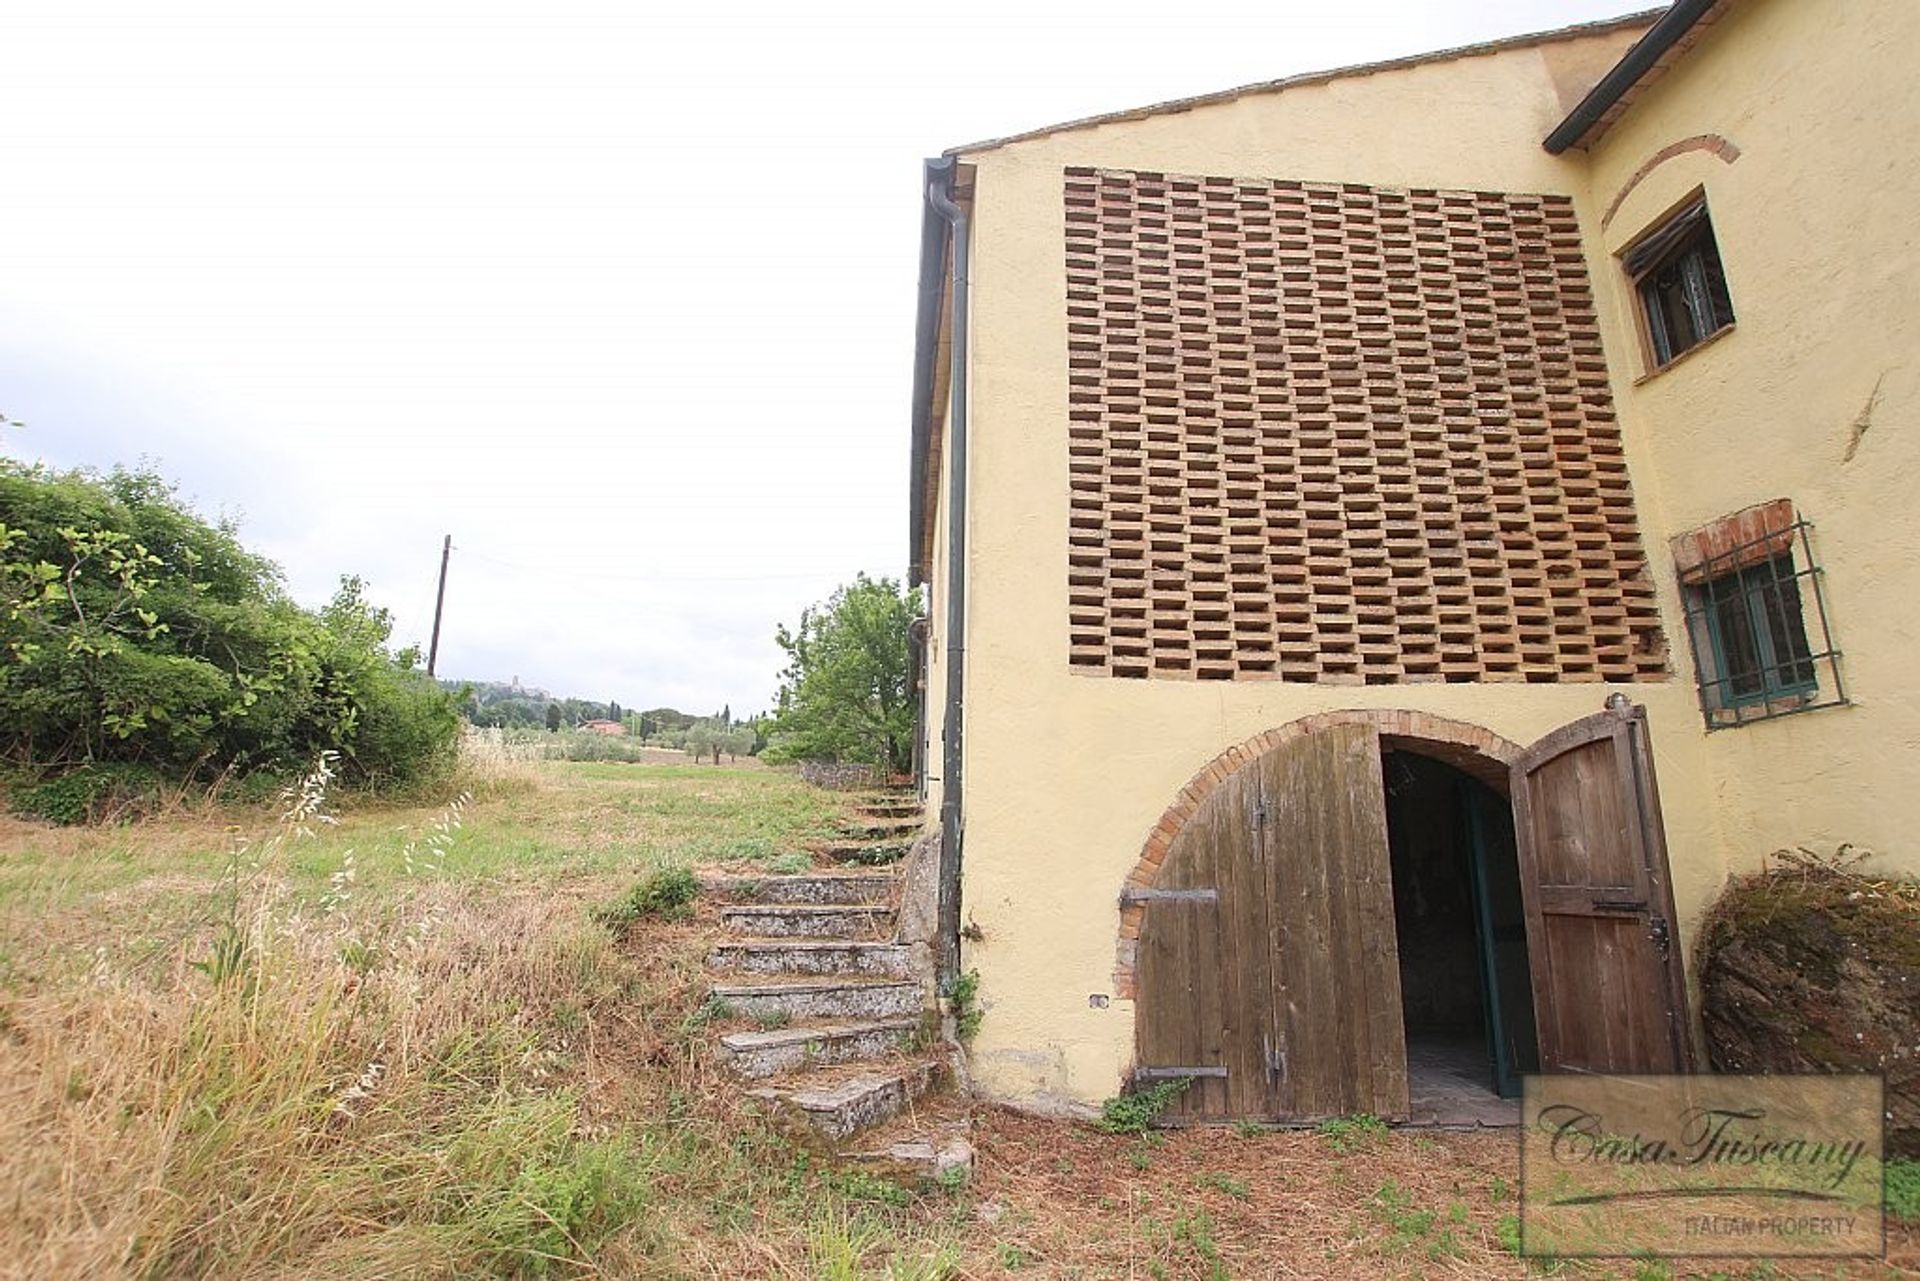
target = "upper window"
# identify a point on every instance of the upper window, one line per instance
(1676, 271)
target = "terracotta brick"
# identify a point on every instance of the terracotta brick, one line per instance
(1747, 537)
(1307, 421)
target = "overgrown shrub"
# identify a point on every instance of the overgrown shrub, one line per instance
(135, 633)
(1814, 966)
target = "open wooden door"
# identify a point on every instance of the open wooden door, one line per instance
(1609, 994)
(1268, 970)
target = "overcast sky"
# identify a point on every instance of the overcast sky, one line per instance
(620, 297)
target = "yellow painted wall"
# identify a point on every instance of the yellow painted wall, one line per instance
(1067, 773)
(1817, 230)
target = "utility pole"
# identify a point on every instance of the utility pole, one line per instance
(439, 603)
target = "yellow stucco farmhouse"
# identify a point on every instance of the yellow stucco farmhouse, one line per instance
(1398, 539)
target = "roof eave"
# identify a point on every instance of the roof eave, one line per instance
(929, 326)
(1590, 117)
(1172, 106)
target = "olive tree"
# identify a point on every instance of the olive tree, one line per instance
(846, 693)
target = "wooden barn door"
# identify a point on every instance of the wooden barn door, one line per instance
(1268, 970)
(1608, 990)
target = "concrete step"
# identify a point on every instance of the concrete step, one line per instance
(842, 1108)
(791, 1049)
(885, 809)
(810, 920)
(874, 828)
(927, 1156)
(866, 853)
(810, 956)
(809, 887)
(822, 998)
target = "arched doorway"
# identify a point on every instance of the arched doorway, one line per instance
(1261, 931)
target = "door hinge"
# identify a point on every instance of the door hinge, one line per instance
(1175, 1073)
(1130, 896)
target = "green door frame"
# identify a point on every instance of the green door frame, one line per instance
(1475, 800)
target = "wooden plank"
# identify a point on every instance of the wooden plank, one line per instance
(1336, 970)
(1373, 942)
(1660, 889)
(1179, 1013)
(1253, 933)
(1245, 991)
(1307, 1017)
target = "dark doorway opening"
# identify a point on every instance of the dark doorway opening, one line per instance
(1466, 989)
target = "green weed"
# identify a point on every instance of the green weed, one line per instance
(1238, 1189)
(1356, 1133)
(963, 995)
(667, 894)
(1137, 1112)
(858, 1185)
(1902, 1181)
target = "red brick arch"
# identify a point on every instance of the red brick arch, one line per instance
(1478, 751)
(1711, 143)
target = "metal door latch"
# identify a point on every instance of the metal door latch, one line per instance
(1662, 935)
(1276, 1059)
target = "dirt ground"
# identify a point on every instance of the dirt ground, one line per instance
(1058, 1199)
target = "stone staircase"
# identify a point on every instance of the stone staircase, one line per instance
(849, 1027)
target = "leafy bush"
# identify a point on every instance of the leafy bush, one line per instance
(91, 794)
(136, 633)
(668, 894)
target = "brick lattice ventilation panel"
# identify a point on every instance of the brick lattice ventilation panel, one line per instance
(1343, 434)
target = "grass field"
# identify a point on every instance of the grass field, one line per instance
(400, 1044)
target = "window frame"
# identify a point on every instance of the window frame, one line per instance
(1746, 588)
(1779, 560)
(1679, 238)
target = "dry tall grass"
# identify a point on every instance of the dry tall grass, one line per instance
(341, 1093)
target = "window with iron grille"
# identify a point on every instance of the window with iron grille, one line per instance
(1676, 271)
(1756, 617)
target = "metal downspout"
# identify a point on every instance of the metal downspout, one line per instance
(951, 831)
